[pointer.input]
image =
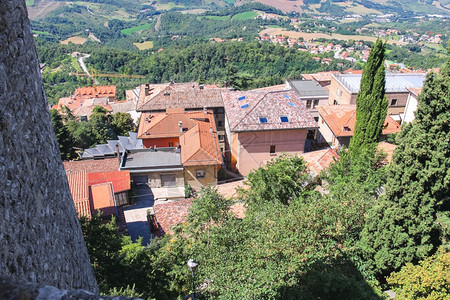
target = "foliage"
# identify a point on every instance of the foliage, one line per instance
(281, 180)
(371, 103)
(63, 136)
(402, 226)
(430, 279)
(122, 123)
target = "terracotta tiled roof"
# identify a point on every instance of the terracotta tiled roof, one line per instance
(341, 120)
(317, 161)
(185, 95)
(229, 190)
(273, 88)
(244, 111)
(119, 179)
(80, 193)
(415, 91)
(163, 125)
(102, 198)
(97, 91)
(92, 166)
(200, 146)
(387, 148)
(320, 76)
(351, 71)
(172, 213)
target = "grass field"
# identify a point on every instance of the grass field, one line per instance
(215, 18)
(75, 39)
(135, 29)
(245, 15)
(30, 2)
(144, 45)
(168, 6)
(358, 9)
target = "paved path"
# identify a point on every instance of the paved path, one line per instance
(136, 215)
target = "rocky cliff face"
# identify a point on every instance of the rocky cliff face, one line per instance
(40, 236)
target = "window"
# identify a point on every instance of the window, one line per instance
(170, 144)
(316, 102)
(339, 93)
(244, 106)
(263, 120)
(221, 137)
(241, 98)
(272, 149)
(185, 129)
(219, 123)
(335, 102)
(393, 102)
(284, 119)
(316, 119)
(199, 174)
(308, 104)
(291, 104)
(220, 110)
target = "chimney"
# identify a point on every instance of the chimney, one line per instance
(180, 126)
(147, 120)
(118, 152)
(201, 86)
(205, 111)
(166, 93)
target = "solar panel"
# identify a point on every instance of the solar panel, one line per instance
(241, 98)
(286, 96)
(263, 120)
(291, 104)
(245, 106)
(284, 119)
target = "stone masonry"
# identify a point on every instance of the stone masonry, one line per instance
(40, 236)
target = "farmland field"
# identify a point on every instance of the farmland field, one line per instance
(132, 30)
(144, 45)
(75, 39)
(316, 35)
(245, 15)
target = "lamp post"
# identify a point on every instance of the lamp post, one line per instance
(192, 265)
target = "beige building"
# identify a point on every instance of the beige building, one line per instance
(262, 125)
(344, 89)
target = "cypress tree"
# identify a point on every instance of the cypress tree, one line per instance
(371, 103)
(403, 226)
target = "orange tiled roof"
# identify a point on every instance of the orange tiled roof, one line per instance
(415, 91)
(119, 179)
(200, 146)
(351, 71)
(163, 124)
(171, 213)
(320, 76)
(80, 193)
(317, 161)
(103, 198)
(95, 91)
(341, 120)
(92, 166)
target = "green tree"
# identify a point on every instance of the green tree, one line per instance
(281, 180)
(371, 103)
(429, 279)
(402, 227)
(122, 123)
(63, 136)
(101, 124)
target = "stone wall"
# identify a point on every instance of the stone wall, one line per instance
(40, 236)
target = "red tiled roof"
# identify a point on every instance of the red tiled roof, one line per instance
(119, 179)
(387, 148)
(341, 120)
(172, 213)
(80, 193)
(200, 146)
(102, 198)
(351, 71)
(245, 114)
(317, 161)
(229, 190)
(92, 166)
(94, 91)
(415, 91)
(165, 125)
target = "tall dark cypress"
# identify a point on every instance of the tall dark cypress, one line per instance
(371, 103)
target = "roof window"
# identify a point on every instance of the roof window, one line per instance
(286, 96)
(284, 119)
(245, 106)
(241, 98)
(263, 120)
(291, 104)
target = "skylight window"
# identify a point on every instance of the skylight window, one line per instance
(263, 120)
(286, 96)
(291, 104)
(241, 98)
(244, 106)
(284, 119)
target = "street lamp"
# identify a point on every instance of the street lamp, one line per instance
(192, 265)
